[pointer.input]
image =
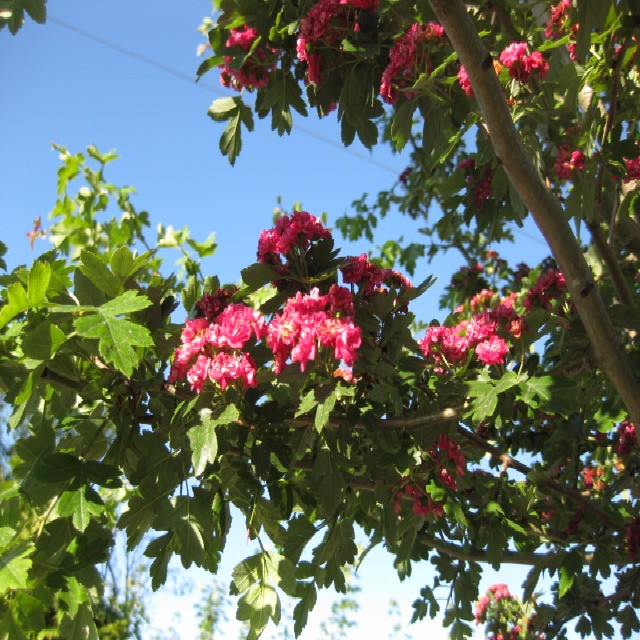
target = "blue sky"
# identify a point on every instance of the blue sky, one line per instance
(121, 75)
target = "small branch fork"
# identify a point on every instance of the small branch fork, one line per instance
(543, 205)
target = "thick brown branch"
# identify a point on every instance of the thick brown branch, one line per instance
(473, 555)
(421, 422)
(543, 205)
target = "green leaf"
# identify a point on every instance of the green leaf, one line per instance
(307, 602)
(17, 302)
(210, 63)
(206, 248)
(117, 338)
(128, 302)
(94, 268)
(307, 403)
(257, 275)
(323, 411)
(485, 400)
(42, 342)
(531, 581)
(37, 10)
(221, 108)
(566, 580)
(14, 568)
(81, 626)
(402, 123)
(122, 263)
(204, 443)
(257, 605)
(329, 483)
(77, 505)
(38, 283)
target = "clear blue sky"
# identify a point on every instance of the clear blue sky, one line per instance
(121, 75)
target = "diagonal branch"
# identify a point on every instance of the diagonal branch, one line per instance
(543, 205)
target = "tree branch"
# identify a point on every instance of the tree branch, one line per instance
(543, 205)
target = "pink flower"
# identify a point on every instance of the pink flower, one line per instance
(234, 326)
(296, 231)
(627, 438)
(549, 286)
(521, 64)
(492, 351)
(308, 322)
(557, 18)
(255, 70)
(567, 161)
(465, 83)
(633, 169)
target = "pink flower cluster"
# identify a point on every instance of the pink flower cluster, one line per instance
(369, 276)
(627, 438)
(633, 169)
(549, 286)
(211, 305)
(311, 321)
(567, 162)
(558, 22)
(422, 505)
(481, 188)
(324, 27)
(296, 231)
(449, 449)
(450, 346)
(592, 478)
(408, 58)
(557, 18)
(521, 64)
(465, 83)
(494, 593)
(212, 351)
(255, 71)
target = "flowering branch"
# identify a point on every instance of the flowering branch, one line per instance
(543, 205)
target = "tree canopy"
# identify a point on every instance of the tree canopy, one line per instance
(307, 394)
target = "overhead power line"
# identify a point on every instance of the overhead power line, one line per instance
(185, 77)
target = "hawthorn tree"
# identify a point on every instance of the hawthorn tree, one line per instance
(306, 394)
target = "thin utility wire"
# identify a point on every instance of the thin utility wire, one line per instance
(185, 77)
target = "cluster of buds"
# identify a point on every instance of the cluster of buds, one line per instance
(259, 63)
(421, 503)
(559, 22)
(494, 593)
(369, 277)
(633, 169)
(447, 448)
(481, 187)
(550, 286)
(592, 478)
(627, 438)
(323, 29)
(408, 58)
